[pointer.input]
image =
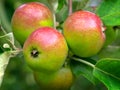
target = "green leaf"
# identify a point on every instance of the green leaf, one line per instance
(79, 4)
(109, 11)
(108, 71)
(61, 3)
(117, 40)
(3, 16)
(5, 40)
(110, 51)
(1, 32)
(110, 34)
(79, 68)
(4, 59)
(53, 5)
(62, 14)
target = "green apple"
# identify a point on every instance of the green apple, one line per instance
(45, 50)
(29, 17)
(83, 31)
(60, 80)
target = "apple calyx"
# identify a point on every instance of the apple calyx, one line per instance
(35, 53)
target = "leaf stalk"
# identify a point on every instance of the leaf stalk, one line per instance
(83, 61)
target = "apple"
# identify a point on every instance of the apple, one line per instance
(45, 50)
(83, 31)
(60, 80)
(29, 17)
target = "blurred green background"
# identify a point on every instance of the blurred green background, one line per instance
(18, 76)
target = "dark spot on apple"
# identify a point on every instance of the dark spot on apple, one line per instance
(34, 53)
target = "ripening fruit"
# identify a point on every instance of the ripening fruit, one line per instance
(84, 33)
(29, 17)
(45, 50)
(60, 80)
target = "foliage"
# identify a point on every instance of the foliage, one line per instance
(100, 69)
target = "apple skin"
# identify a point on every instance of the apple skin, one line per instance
(60, 80)
(45, 50)
(83, 32)
(29, 17)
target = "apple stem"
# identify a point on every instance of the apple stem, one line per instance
(83, 61)
(70, 6)
(15, 52)
(54, 18)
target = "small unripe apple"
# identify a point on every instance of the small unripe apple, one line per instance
(60, 80)
(83, 31)
(29, 17)
(45, 50)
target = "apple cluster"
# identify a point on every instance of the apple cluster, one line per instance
(46, 49)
